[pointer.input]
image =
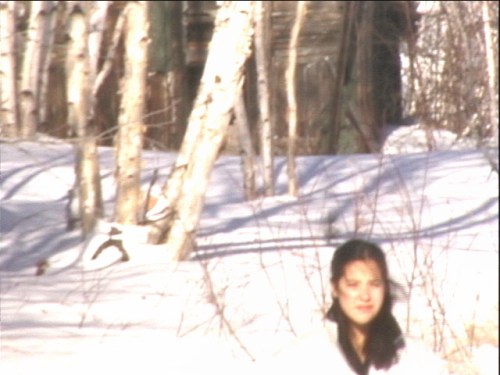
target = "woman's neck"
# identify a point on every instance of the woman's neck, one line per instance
(357, 336)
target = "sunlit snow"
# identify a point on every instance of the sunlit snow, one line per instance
(259, 274)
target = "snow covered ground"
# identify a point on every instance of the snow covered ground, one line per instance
(259, 275)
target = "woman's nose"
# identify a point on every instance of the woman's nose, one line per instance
(365, 294)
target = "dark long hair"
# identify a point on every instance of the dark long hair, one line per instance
(384, 336)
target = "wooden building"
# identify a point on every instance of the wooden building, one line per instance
(348, 70)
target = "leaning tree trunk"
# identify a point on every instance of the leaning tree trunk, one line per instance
(130, 121)
(209, 120)
(292, 100)
(109, 60)
(97, 28)
(78, 96)
(8, 104)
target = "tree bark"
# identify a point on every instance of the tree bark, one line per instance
(98, 22)
(130, 122)
(492, 77)
(8, 91)
(246, 148)
(292, 99)
(48, 38)
(266, 126)
(220, 84)
(109, 60)
(31, 70)
(97, 28)
(78, 96)
(77, 68)
(177, 78)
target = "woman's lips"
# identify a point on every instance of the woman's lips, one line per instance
(365, 308)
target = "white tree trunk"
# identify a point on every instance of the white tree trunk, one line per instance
(78, 95)
(266, 127)
(77, 69)
(47, 48)
(96, 33)
(220, 85)
(30, 71)
(110, 56)
(492, 76)
(97, 27)
(8, 92)
(291, 98)
(130, 121)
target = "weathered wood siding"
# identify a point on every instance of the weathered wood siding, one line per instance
(318, 52)
(318, 36)
(330, 112)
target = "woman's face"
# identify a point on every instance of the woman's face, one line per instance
(360, 291)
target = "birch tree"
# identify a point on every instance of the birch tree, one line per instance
(492, 75)
(47, 44)
(8, 96)
(31, 70)
(96, 33)
(266, 128)
(109, 59)
(220, 84)
(292, 100)
(130, 122)
(78, 96)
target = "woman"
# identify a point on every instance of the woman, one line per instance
(362, 336)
